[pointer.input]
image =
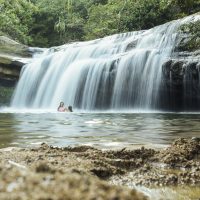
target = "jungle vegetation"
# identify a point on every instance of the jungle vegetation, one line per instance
(47, 23)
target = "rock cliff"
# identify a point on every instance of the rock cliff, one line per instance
(13, 56)
(181, 73)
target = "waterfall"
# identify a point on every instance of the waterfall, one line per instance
(122, 71)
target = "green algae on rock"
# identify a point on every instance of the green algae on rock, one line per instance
(5, 95)
(190, 36)
(11, 47)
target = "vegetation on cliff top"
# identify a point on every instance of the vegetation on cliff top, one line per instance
(54, 22)
(190, 36)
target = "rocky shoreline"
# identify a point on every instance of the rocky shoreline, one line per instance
(83, 172)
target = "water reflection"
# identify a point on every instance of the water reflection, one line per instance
(104, 130)
(7, 130)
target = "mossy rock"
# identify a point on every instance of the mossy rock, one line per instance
(190, 36)
(5, 60)
(11, 47)
(5, 95)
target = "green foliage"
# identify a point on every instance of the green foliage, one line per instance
(143, 15)
(58, 22)
(16, 19)
(103, 20)
(187, 6)
(54, 22)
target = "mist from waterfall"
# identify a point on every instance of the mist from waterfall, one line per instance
(122, 71)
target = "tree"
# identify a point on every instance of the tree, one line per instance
(16, 19)
(54, 22)
(58, 22)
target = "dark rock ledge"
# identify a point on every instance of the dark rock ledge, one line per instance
(13, 56)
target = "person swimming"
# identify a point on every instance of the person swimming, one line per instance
(62, 108)
(70, 108)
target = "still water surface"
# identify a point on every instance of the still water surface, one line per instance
(103, 130)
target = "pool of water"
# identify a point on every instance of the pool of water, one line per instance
(24, 128)
(103, 130)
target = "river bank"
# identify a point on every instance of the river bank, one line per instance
(83, 172)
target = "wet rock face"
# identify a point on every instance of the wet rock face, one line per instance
(181, 83)
(9, 71)
(9, 74)
(173, 71)
(11, 62)
(178, 73)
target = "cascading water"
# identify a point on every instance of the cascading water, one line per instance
(117, 72)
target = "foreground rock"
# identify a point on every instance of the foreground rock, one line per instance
(79, 173)
(52, 173)
(46, 183)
